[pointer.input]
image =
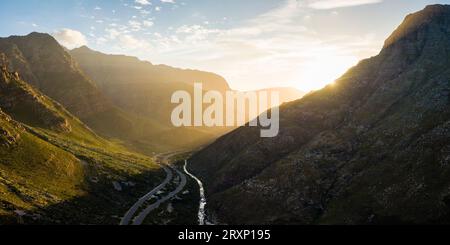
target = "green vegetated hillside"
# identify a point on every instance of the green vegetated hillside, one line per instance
(373, 148)
(54, 169)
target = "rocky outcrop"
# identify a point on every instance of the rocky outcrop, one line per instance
(8, 138)
(370, 149)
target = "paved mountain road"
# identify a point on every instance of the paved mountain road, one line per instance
(141, 217)
(169, 176)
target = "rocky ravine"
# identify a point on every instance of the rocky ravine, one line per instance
(372, 148)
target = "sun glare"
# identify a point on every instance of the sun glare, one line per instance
(323, 70)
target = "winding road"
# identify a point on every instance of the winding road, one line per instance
(141, 217)
(131, 212)
(130, 216)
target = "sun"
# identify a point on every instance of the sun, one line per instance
(322, 70)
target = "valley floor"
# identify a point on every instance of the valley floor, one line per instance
(173, 202)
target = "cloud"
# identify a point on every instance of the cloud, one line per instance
(279, 39)
(195, 33)
(332, 4)
(143, 2)
(70, 38)
(112, 33)
(135, 25)
(168, 1)
(297, 53)
(129, 42)
(148, 23)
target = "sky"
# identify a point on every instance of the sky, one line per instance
(253, 44)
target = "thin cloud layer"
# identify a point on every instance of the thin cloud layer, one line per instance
(332, 4)
(272, 49)
(277, 47)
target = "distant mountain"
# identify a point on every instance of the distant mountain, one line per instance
(145, 89)
(140, 86)
(127, 69)
(45, 65)
(49, 68)
(374, 148)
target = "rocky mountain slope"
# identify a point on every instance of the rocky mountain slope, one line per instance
(24, 173)
(19, 99)
(54, 169)
(46, 66)
(372, 148)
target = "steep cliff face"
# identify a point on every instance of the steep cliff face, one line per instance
(372, 148)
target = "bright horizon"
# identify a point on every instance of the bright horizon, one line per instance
(253, 44)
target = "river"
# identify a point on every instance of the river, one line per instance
(202, 207)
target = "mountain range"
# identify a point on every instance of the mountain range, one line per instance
(372, 148)
(119, 97)
(53, 168)
(72, 122)
(80, 131)
(145, 89)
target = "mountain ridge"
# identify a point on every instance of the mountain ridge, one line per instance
(145, 89)
(346, 154)
(49, 68)
(53, 168)
(54, 72)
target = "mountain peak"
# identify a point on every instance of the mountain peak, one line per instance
(437, 8)
(35, 40)
(437, 15)
(39, 36)
(83, 49)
